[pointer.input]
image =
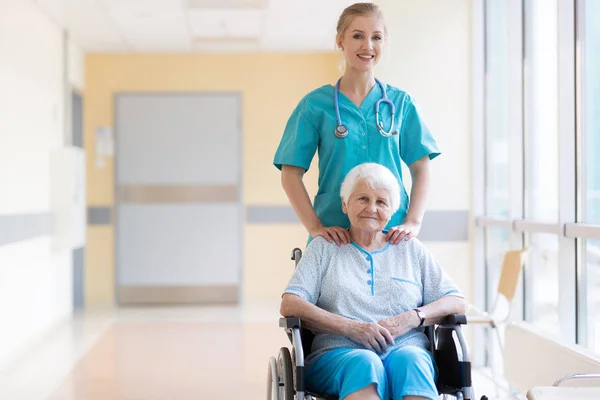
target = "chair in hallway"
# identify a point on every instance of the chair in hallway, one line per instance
(512, 265)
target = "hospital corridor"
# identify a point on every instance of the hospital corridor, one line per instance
(299, 200)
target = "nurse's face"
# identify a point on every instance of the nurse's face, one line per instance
(362, 42)
(368, 209)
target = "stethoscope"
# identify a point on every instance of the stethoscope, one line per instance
(341, 131)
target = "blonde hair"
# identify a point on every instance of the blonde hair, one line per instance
(360, 9)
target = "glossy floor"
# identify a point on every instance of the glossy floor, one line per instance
(156, 353)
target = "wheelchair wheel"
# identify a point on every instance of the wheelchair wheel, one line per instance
(272, 380)
(285, 374)
(294, 368)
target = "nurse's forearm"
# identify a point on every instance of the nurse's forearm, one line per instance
(421, 176)
(293, 185)
(313, 317)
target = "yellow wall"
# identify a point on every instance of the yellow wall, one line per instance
(271, 85)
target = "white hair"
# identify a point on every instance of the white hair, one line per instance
(377, 177)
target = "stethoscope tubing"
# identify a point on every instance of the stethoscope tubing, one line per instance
(341, 131)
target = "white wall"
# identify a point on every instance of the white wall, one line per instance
(35, 276)
(429, 57)
(76, 65)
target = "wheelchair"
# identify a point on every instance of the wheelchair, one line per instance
(285, 379)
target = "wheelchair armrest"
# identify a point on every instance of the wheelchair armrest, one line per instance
(451, 356)
(290, 322)
(454, 319)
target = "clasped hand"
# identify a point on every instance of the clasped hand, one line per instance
(377, 336)
(371, 335)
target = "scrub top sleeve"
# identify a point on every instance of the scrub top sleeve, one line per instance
(436, 283)
(416, 141)
(299, 142)
(306, 281)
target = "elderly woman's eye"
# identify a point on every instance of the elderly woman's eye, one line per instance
(382, 202)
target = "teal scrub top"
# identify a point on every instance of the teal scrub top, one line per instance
(311, 127)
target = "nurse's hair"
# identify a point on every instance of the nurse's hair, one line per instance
(360, 9)
(377, 177)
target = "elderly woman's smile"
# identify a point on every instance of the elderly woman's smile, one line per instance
(368, 208)
(370, 196)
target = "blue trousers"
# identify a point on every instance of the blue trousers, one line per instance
(405, 371)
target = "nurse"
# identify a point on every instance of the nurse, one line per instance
(341, 123)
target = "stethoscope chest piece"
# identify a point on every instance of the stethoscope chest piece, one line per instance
(380, 126)
(341, 131)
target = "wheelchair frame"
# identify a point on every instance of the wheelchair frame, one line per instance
(454, 365)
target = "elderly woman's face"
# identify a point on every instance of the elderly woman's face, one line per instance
(368, 208)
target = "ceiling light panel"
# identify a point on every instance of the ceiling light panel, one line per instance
(171, 24)
(142, 4)
(296, 25)
(205, 4)
(152, 25)
(226, 45)
(218, 23)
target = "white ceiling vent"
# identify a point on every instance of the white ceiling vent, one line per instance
(207, 4)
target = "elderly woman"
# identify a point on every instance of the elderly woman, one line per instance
(368, 301)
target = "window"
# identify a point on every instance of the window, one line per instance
(589, 35)
(543, 285)
(541, 141)
(541, 110)
(590, 109)
(497, 244)
(497, 108)
(591, 260)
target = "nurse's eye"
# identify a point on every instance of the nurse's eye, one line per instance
(357, 36)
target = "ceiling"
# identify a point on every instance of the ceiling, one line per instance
(150, 26)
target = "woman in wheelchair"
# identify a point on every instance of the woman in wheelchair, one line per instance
(368, 301)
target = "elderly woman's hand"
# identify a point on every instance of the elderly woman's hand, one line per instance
(335, 234)
(371, 335)
(406, 231)
(400, 324)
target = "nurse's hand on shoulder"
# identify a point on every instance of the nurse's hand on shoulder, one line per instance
(335, 234)
(406, 231)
